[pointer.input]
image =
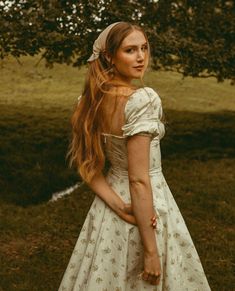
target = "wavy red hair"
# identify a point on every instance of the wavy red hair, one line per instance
(86, 150)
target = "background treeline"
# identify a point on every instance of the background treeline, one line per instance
(193, 37)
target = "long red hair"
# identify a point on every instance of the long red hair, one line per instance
(86, 150)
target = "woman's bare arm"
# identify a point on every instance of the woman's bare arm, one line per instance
(138, 148)
(142, 203)
(103, 190)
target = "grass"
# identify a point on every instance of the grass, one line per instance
(198, 156)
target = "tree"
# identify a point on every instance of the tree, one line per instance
(193, 37)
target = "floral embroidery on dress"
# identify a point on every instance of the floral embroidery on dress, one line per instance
(108, 255)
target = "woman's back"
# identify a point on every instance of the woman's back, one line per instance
(116, 143)
(113, 109)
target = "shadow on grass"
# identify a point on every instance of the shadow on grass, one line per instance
(201, 136)
(33, 148)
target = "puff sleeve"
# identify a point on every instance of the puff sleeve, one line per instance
(142, 113)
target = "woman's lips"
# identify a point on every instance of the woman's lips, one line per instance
(139, 67)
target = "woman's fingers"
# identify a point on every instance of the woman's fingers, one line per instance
(128, 208)
(145, 276)
(128, 212)
(153, 279)
(131, 219)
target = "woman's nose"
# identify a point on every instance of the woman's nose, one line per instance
(140, 56)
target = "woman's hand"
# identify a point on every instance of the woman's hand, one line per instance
(152, 268)
(127, 214)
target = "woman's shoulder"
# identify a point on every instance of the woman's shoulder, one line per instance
(142, 112)
(142, 100)
(144, 96)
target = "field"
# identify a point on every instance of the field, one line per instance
(198, 157)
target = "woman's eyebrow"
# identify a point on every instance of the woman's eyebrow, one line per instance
(133, 46)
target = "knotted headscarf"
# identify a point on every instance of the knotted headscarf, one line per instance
(99, 44)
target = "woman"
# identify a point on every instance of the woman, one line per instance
(134, 237)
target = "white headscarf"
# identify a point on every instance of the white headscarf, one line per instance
(99, 44)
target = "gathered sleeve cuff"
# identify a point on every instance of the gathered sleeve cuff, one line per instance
(143, 112)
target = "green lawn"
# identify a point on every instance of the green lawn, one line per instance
(198, 156)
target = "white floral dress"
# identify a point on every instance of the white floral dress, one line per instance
(108, 255)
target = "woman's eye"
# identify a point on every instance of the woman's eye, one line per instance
(144, 48)
(130, 50)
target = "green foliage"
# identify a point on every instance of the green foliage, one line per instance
(194, 37)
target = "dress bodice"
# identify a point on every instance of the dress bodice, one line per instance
(143, 112)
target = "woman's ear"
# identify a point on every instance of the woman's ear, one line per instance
(107, 57)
